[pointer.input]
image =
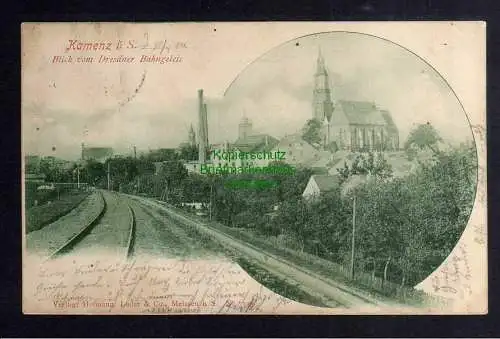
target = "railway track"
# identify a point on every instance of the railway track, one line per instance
(114, 229)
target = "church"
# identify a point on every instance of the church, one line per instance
(350, 125)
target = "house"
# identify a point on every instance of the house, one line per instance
(297, 150)
(192, 166)
(320, 184)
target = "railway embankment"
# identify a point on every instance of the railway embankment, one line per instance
(47, 240)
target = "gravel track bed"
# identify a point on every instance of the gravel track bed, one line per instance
(157, 234)
(48, 239)
(111, 234)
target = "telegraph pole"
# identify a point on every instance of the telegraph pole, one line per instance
(78, 176)
(211, 185)
(109, 175)
(353, 235)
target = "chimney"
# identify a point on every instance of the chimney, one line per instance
(202, 144)
(205, 123)
(83, 149)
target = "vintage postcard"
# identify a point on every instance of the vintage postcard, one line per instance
(254, 168)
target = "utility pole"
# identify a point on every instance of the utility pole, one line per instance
(211, 185)
(135, 152)
(109, 176)
(353, 235)
(78, 176)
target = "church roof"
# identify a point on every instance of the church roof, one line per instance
(326, 182)
(362, 113)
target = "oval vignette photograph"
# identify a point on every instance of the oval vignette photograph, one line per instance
(333, 173)
(385, 166)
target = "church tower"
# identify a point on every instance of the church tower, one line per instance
(191, 136)
(245, 128)
(326, 132)
(322, 101)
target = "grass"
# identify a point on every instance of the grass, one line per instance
(38, 217)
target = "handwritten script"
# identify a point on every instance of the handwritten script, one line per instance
(454, 279)
(164, 287)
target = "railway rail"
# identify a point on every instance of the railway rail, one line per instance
(92, 233)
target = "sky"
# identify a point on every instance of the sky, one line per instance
(152, 106)
(275, 91)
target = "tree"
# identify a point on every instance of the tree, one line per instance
(311, 132)
(373, 165)
(173, 173)
(292, 186)
(122, 171)
(294, 218)
(421, 137)
(162, 154)
(189, 152)
(93, 172)
(145, 166)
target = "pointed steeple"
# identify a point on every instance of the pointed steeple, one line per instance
(191, 136)
(320, 64)
(322, 101)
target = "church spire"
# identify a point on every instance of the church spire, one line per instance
(322, 101)
(192, 136)
(320, 64)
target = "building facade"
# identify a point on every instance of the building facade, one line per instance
(297, 150)
(320, 184)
